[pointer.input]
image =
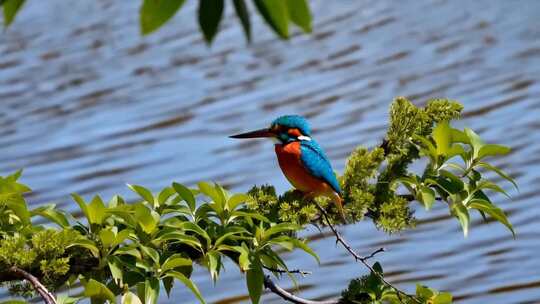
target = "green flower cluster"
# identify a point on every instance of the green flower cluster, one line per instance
(44, 254)
(361, 168)
(392, 213)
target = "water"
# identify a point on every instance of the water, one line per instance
(88, 105)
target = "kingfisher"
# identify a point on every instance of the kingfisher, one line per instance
(301, 159)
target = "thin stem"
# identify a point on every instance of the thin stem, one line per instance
(45, 294)
(268, 283)
(362, 259)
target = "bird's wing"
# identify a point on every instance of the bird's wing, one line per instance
(316, 162)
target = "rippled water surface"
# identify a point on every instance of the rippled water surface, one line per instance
(86, 105)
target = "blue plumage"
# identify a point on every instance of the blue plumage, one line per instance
(316, 162)
(293, 121)
(301, 159)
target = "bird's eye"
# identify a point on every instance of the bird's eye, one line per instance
(294, 132)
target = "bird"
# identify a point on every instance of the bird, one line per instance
(301, 158)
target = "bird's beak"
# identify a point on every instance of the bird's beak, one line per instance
(255, 134)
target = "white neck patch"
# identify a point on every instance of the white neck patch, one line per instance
(276, 141)
(302, 137)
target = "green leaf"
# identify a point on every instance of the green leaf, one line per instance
(279, 228)
(121, 236)
(181, 238)
(300, 14)
(427, 147)
(427, 196)
(302, 245)
(275, 14)
(155, 13)
(116, 201)
(84, 208)
(131, 251)
(165, 194)
(17, 204)
(144, 193)
(11, 8)
(492, 150)
(475, 140)
(62, 299)
(189, 284)
(493, 211)
(255, 280)
(16, 302)
(442, 136)
(189, 226)
(456, 150)
(226, 236)
(213, 262)
(96, 210)
(237, 199)
(424, 292)
(454, 166)
(116, 270)
(461, 212)
(450, 182)
(243, 259)
(459, 136)
(215, 193)
(498, 171)
(130, 298)
(185, 194)
(485, 184)
(257, 216)
(378, 268)
(284, 242)
(96, 290)
(146, 218)
(88, 244)
(243, 15)
(210, 14)
(49, 212)
(168, 284)
(175, 260)
(107, 237)
(151, 253)
(443, 298)
(151, 291)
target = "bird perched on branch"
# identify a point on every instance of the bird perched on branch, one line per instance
(300, 157)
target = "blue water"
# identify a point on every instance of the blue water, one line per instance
(87, 105)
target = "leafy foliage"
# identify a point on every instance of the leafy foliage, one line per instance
(131, 249)
(136, 250)
(154, 14)
(370, 289)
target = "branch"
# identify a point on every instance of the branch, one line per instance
(411, 197)
(45, 294)
(268, 283)
(298, 271)
(362, 259)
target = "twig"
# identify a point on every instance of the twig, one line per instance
(373, 253)
(268, 283)
(298, 271)
(45, 294)
(362, 259)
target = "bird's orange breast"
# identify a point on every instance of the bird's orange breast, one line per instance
(289, 159)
